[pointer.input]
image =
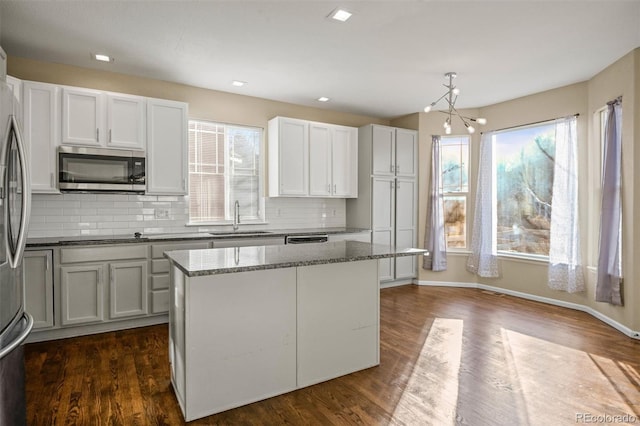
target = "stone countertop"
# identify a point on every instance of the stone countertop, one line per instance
(240, 259)
(204, 235)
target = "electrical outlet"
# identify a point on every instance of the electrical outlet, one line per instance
(162, 213)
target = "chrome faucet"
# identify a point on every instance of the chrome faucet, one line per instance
(236, 215)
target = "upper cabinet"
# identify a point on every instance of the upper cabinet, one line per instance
(167, 147)
(100, 119)
(16, 88)
(42, 133)
(311, 159)
(394, 151)
(288, 157)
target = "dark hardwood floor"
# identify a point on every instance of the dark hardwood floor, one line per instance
(447, 356)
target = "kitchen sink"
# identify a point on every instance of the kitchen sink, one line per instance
(243, 233)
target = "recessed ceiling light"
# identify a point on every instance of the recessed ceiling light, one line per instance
(238, 83)
(323, 99)
(340, 15)
(102, 58)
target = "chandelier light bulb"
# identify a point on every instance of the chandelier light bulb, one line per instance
(470, 129)
(427, 108)
(481, 121)
(446, 124)
(447, 130)
(456, 91)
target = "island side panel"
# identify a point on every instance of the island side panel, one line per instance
(338, 320)
(240, 339)
(177, 335)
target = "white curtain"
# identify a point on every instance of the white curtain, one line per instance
(483, 259)
(565, 266)
(434, 238)
(608, 287)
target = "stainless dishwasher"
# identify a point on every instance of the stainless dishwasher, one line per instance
(306, 239)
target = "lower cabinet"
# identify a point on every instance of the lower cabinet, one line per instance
(128, 289)
(103, 283)
(38, 288)
(82, 294)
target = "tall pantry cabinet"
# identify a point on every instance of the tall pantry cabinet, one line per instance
(387, 200)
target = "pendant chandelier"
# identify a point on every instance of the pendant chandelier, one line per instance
(451, 95)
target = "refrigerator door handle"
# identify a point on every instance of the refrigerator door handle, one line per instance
(16, 258)
(20, 338)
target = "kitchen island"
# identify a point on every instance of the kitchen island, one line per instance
(249, 323)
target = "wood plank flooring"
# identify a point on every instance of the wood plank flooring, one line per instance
(448, 356)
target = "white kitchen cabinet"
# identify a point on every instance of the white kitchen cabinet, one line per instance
(82, 294)
(15, 85)
(288, 157)
(82, 116)
(103, 119)
(126, 124)
(333, 161)
(166, 147)
(128, 289)
(41, 111)
(308, 158)
(38, 287)
(387, 194)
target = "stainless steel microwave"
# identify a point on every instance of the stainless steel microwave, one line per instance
(83, 169)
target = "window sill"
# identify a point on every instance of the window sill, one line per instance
(535, 259)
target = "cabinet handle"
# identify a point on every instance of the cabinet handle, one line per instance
(329, 188)
(51, 178)
(335, 188)
(111, 274)
(47, 264)
(398, 168)
(97, 135)
(109, 135)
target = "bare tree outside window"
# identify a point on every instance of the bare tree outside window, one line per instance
(524, 161)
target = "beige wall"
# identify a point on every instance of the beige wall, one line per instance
(620, 78)
(203, 103)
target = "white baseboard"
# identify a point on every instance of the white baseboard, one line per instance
(576, 306)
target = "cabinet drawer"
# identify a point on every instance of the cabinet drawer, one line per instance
(159, 266)
(103, 254)
(159, 301)
(157, 250)
(159, 282)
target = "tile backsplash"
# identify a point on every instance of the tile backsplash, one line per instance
(68, 215)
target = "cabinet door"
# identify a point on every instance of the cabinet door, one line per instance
(383, 151)
(167, 147)
(320, 160)
(41, 133)
(293, 161)
(383, 219)
(344, 162)
(38, 287)
(406, 153)
(82, 294)
(128, 289)
(16, 88)
(82, 115)
(126, 122)
(406, 226)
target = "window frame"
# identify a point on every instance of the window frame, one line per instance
(260, 165)
(535, 257)
(460, 193)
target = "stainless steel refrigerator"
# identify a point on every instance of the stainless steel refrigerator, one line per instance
(15, 323)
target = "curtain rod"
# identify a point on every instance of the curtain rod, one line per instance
(532, 124)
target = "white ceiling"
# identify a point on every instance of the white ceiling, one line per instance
(387, 60)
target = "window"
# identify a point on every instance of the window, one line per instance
(524, 168)
(454, 160)
(224, 166)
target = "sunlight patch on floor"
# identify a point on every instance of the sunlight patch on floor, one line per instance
(431, 394)
(604, 387)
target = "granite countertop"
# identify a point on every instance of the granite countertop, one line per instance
(205, 235)
(240, 259)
